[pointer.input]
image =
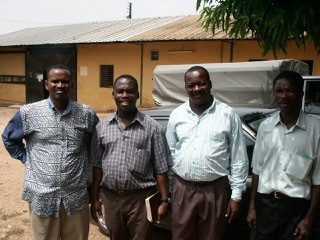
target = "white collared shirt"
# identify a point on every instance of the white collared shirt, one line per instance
(208, 146)
(288, 160)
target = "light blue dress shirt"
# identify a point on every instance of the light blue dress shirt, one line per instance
(288, 160)
(208, 146)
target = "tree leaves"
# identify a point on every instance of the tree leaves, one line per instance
(273, 23)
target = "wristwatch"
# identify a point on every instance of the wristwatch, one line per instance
(166, 200)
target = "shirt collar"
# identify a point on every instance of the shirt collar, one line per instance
(209, 109)
(138, 118)
(301, 122)
(53, 108)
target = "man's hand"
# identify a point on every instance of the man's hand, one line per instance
(303, 229)
(162, 211)
(252, 218)
(233, 210)
(95, 209)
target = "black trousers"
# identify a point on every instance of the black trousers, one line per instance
(278, 218)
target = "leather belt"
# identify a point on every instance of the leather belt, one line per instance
(129, 192)
(277, 195)
(199, 183)
(123, 192)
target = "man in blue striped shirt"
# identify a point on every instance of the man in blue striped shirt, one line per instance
(209, 154)
(57, 132)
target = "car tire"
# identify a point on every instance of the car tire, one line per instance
(101, 219)
(102, 224)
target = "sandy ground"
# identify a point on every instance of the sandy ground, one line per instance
(14, 215)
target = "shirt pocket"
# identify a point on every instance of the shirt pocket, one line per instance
(76, 137)
(216, 144)
(139, 161)
(298, 166)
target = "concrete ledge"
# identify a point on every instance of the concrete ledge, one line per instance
(11, 104)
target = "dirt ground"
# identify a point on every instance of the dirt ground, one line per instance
(14, 215)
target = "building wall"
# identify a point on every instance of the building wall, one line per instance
(175, 53)
(241, 53)
(12, 64)
(126, 59)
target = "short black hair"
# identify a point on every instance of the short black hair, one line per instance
(197, 68)
(58, 66)
(126, 76)
(291, 76)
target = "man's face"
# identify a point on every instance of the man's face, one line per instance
(125, 94)
(58, 84)
(287, 95)
(198, 87)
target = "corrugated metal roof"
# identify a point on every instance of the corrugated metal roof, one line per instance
(187, 28)
(129, 30)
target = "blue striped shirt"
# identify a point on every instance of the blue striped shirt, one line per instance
(208, 146)
(56, 154)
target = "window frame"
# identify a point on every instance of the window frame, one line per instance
(106, 76)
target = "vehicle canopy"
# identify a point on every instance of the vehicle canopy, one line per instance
(242, 84)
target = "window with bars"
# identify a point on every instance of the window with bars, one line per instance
(154, 55)
(12, 79)
(106, 76)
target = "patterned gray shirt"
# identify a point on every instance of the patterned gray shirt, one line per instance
(130, 158)
(56, 155)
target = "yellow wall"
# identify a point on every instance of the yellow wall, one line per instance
(203, 52)
(126, 59)
(245, 50)
(12, 64)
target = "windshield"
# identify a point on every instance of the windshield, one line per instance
(253, 120)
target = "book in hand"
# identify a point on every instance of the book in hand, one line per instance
(152, 204)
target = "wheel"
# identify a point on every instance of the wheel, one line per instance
(101, 222)
(101, 219)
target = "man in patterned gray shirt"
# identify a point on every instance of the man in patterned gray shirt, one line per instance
(57, 132)
(130, 156)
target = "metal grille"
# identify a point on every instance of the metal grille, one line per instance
(106, 76)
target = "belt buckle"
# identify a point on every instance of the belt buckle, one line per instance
(275, 194)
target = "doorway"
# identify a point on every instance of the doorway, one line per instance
(38, 59)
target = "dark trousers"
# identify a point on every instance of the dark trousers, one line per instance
(198, 211)
(126, 216)
(278, 218)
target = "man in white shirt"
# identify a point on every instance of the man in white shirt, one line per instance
(207, 145)
(286, 167)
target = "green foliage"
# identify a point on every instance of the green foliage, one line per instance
(273, 23)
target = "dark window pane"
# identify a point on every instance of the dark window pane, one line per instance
(106, 76)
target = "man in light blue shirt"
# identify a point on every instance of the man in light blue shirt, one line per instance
(285, 192)
(210, 159)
